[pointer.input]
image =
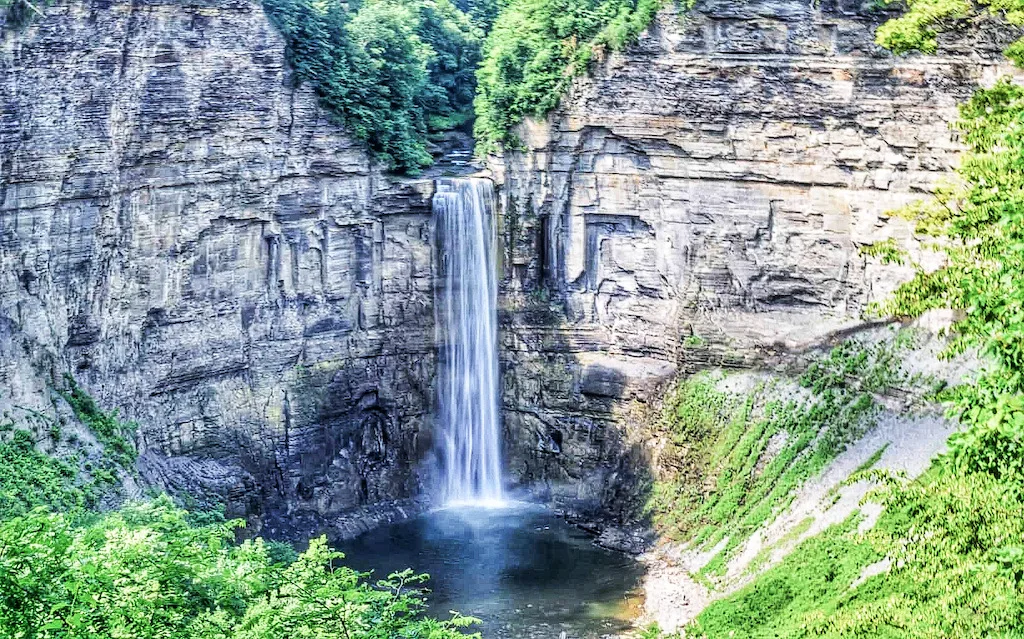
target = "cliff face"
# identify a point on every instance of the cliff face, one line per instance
(700, 201)
(189, 236)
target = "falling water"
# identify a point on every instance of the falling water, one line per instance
(467, 342)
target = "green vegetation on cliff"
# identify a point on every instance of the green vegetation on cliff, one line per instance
(945, 558)
(740, 456)
(396, 72)
(73, 475)
(919, 26)
(948, 549)
(537, 48)
(113, 435)
(979, 220)
(952, 545)
(152, 570)
(392, 71)
(32, 478)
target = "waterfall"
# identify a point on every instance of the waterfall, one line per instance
(467, 341)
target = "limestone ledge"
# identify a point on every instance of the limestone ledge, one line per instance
(701, 201)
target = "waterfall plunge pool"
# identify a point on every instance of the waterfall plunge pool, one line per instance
(522, 570)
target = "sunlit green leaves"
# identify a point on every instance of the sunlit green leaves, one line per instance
(387, 69)
(537, 48)
(981, 223)
(738, 459)
(916, 30)
(145, 572)
(952, 545)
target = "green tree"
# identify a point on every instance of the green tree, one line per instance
(146, 572)
(455, 42)
(535, 50)
(919, 26)
(390, 71)
(979, 222)
(395, 84)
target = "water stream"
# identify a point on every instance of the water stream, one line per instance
(466, 305)
(525, 572)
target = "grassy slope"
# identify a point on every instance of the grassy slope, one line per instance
(740, 458)
(952, 542)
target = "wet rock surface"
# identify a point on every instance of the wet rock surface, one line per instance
(190, 236)
(700, 201)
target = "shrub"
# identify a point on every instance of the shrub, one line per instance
(386, 70)
(535, 50)
(918, 28)
(31, 478)
(145, 572)
(739, 458)
(981, 220)
(955, 548)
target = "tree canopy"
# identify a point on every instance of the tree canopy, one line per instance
(147, 571)
(391, 71)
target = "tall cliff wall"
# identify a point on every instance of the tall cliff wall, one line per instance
(190, 236)
(700, 201)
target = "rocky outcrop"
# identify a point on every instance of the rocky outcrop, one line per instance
(700, 201)
(190, 236)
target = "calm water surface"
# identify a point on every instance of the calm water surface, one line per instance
(522, 570)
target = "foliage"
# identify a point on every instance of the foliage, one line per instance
(69, 478)
(738, 459)
(871, 367)
(981, 221)
(886, 250)
(32, 478)
(156, 571)
(918, 28)
(870, 462)
(113, 434)
(386, 69)
(395, 73)
(810, 579)
(482, 12)
(694, 341)
(955, 549)
(535, 50)
(451, 69)
(145, 572)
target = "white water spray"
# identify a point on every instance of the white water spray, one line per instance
(467, 341)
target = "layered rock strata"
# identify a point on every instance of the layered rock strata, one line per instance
(701, 201)
(188, 234)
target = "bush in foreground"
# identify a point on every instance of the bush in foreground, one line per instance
(146, 572)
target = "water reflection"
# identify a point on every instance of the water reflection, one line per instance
(522, 570)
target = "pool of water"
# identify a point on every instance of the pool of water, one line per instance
(522, 570)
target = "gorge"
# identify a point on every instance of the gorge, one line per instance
(663, 284)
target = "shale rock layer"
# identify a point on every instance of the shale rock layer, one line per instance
(701, 201)
(186, 232)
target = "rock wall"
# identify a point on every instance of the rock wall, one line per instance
(185, 232)
(700, 201)
(188, 235)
